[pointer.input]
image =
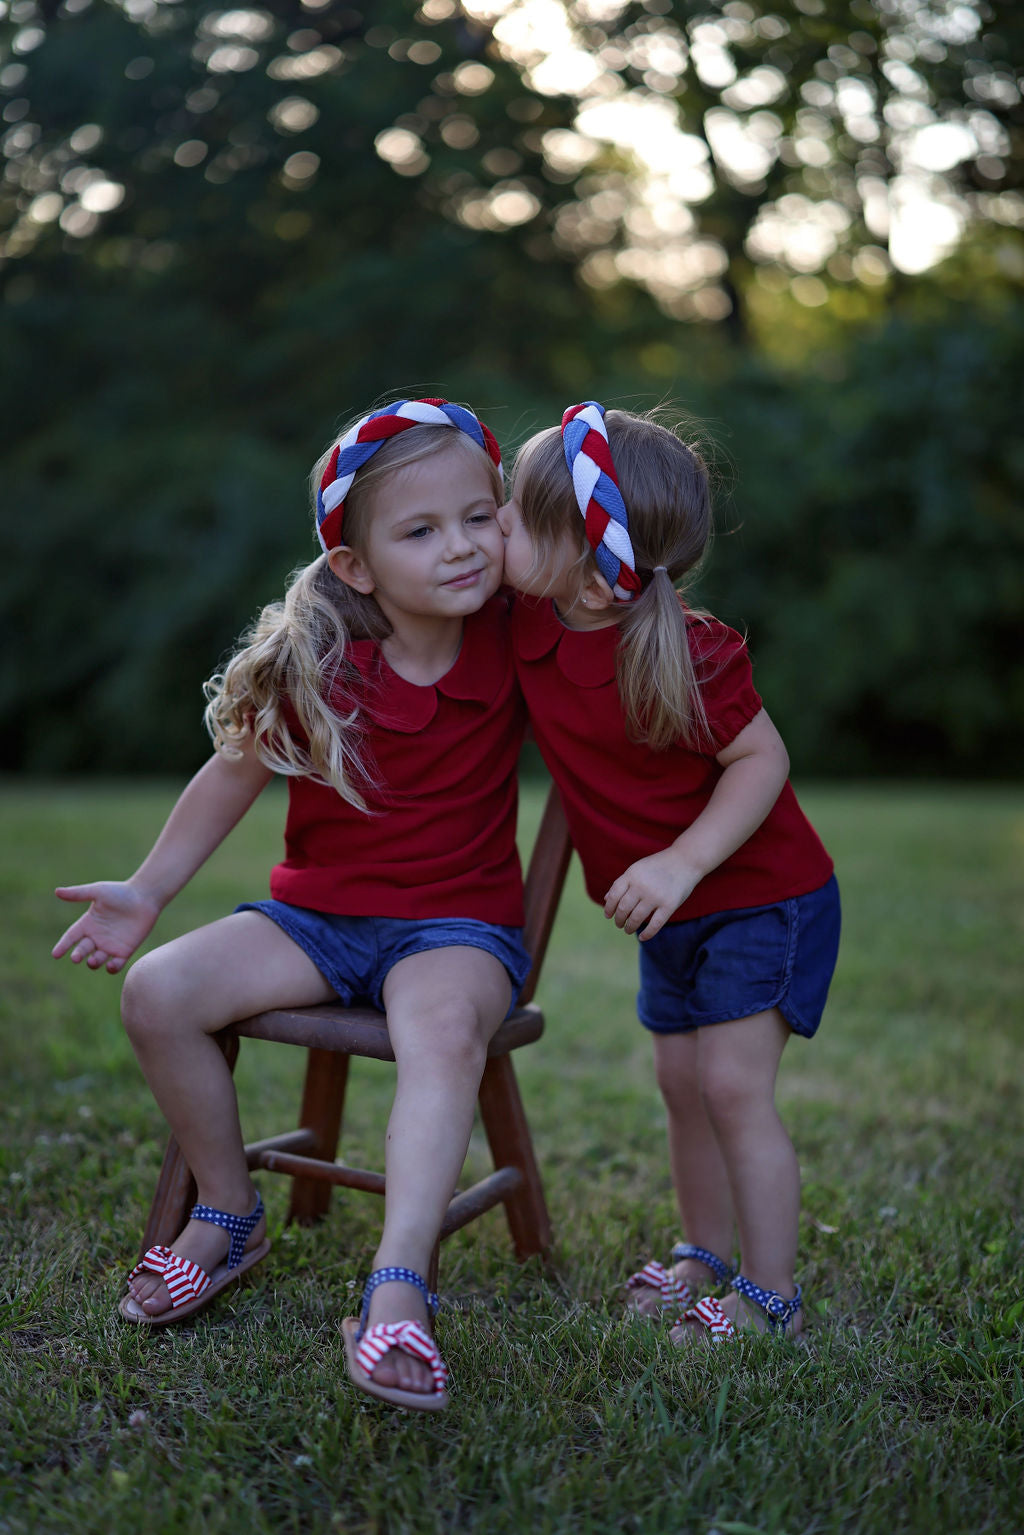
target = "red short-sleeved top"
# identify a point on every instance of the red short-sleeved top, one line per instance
(624, 801)
(439, 840)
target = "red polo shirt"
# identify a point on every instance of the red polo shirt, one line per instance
(624, 801)
(439, 840)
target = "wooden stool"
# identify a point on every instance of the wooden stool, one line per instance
(333, 1033)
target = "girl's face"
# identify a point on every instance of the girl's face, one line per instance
(433, 547)
(553, 575)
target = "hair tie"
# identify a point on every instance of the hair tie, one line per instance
(589, 459)
(361, 442)
(654, 572)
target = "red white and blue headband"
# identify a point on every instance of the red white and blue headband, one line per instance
(361, 442)
(589, 460)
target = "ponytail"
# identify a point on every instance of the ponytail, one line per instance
(295, 652)
(656, 677)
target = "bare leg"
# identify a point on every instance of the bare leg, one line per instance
(174, 1000)
(443, 1006)
(699, 1174)
(738, 1063)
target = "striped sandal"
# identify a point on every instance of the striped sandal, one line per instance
(674, 1293)
(365, 1347)
(708, 1314)
(189, 1286)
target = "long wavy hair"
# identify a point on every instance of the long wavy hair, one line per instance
(665, 484)
(295, 653)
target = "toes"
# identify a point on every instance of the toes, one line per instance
(400, 1371)
(644, 1301)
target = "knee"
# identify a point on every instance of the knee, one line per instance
(451, 1039)
(678, 1086)
(151, 1000)
(731, 1097)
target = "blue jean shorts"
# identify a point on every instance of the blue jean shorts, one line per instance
(736, 963)
(354, 954)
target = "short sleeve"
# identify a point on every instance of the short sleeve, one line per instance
(723, 670)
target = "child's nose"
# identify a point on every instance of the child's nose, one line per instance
(505, 519)
(459, 541)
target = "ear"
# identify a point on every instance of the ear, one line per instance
(349, 567)
(597, 594)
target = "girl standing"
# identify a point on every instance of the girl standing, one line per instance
(675, 786)
(382, 687)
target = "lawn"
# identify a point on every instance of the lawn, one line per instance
(903, 1413)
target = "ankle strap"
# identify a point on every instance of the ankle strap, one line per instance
(387, 1276)
(239, 1227)
(722, 1271)
(778, 1310)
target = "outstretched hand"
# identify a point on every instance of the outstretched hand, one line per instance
(119, 918)
(649, 892)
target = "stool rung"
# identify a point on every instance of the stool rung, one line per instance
(289, 1140)
(490, 1191)
(465, 1207)
(310, 1167)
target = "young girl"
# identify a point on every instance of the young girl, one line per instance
(675, 787)
(383, 687)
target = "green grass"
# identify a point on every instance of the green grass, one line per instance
(904, 1413)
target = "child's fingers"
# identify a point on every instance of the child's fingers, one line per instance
(655, 922)
(65, 942)
(76, 892)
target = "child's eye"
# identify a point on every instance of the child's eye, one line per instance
(418, 532)
(482, 517)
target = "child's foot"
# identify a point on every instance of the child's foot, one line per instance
(390, 1350)
(712, 1321)
(398, 1302)
(654, 1289)
(201, 1242)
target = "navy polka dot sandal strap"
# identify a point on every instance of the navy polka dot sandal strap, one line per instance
(722, 1271)
(239, 1227)
(388, 1276)
(777, 1309)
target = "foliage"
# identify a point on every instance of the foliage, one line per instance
(875, 549)
(173, 365)
(226, 231)
(803, 145)
(902, 1413)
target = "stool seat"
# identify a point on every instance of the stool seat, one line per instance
(363, 1031)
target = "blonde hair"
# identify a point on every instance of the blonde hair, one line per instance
(296, 650)
(665, 485)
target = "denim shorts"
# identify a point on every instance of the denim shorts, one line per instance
(354, 954)
(736, 963)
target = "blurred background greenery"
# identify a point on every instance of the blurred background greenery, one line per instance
(223, 232)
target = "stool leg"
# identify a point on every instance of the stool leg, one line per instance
(323, 1101)
(175, 1192)
(508, 1136)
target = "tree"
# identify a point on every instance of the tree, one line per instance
(823, 145)
(226, 231)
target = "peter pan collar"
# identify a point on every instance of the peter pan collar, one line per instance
(585, 657)
(475, 676)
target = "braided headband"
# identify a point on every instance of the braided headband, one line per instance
(589, 459)
(361, 442)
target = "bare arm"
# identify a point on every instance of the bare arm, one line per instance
(756, 767)
(121, 914)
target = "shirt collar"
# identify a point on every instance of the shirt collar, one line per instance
(475, 676)
(585, 657)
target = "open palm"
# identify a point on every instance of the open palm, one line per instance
(119, 918)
